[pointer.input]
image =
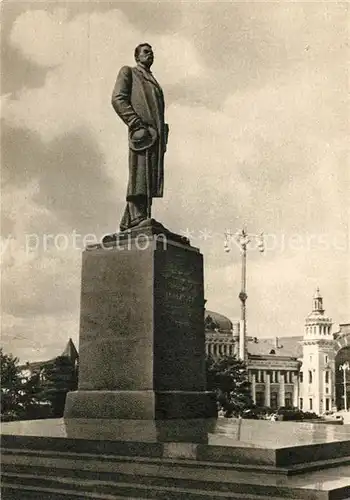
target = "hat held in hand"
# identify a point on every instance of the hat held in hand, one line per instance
(142, 138)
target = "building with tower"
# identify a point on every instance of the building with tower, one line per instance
(302, 371)
(317, 375)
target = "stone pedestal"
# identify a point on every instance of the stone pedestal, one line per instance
(142, 341)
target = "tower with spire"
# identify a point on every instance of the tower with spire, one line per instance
(317, 387)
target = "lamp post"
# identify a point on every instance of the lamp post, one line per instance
(345, 367)
(242, 238)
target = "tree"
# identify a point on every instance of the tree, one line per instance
(57, 378)
(19, 391)
(228, 377)
(31, 400)
(10, 384)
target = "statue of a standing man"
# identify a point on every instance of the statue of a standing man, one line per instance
(138, 100)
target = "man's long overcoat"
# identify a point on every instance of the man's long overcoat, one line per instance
(137, 96)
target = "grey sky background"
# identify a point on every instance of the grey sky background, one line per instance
(258, 108)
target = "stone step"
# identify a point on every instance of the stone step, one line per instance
(14, 492)
(219, 452)
(171, 462)
(26, 457)
(156, 487)
(65, 488)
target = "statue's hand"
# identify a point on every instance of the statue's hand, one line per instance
(135, 125)
(140, 134)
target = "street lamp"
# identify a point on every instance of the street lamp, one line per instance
(345, 367)
(242, 238)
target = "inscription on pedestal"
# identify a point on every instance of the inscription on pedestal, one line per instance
(180, 288)
(179, 319)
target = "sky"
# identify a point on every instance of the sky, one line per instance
(257, 104)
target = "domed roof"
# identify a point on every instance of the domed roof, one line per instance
(318, 316)
(215, 320)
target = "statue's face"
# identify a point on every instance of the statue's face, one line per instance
(146, 56)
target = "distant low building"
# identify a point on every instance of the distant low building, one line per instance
(300, 371)
(70, 352)
(53, 379)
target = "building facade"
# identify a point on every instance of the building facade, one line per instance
(300, 371)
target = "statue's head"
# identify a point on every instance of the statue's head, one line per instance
(144, 54)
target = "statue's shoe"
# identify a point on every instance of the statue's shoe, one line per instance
(150, 222)
(134, 223)
(146, 222)
(148, 226)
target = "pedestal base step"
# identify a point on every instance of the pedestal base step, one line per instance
(147, 405)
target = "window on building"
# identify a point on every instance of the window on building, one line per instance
(288, 400)
(326, 359)
(327, 404)
(327, 390)
(260, 399)
(301, 403)
(301, 377)
(310, 404)
(262, 376)
(327, 377)
(274, 401)
(310, 377)
(276, 378)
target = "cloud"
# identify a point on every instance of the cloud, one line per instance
(17, 71)
(41, 338)
(280, 287)
(104, 39)
(67, 179)
(267, 157)
(40, 299)
(86, 53)
(47, 269)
